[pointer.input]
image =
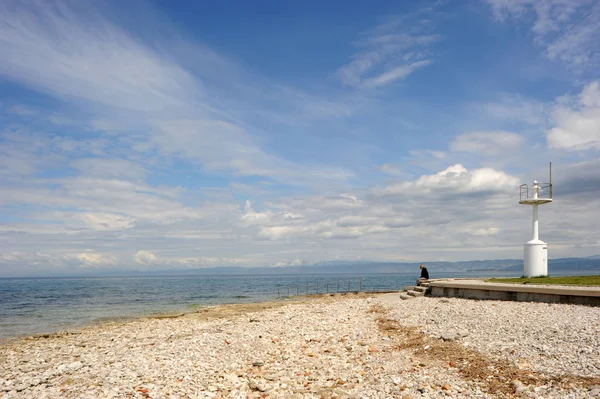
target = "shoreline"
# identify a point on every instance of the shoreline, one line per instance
(76, 327)
(200, 309)
(353, 345)
(41, 306)
(210, 311)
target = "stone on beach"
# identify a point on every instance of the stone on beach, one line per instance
(318, 348)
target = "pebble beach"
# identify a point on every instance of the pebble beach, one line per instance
(330, 346)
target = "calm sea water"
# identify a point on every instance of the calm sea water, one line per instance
(42, 305)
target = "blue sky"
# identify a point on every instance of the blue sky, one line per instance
(155, 135)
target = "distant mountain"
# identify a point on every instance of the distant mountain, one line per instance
(591, 264)
(564, 264)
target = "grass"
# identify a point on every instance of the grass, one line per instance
(566, 280)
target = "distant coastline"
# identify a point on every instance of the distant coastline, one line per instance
(559, 265)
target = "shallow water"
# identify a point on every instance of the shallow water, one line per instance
(42, 305)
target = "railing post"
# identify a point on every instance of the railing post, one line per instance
(348, 290)
(361, 281)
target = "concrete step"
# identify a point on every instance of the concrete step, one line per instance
(415, 293)
(415, 288)
(404, 296)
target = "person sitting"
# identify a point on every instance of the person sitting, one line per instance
(424, 275)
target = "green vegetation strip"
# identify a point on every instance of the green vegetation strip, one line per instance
(567, 280)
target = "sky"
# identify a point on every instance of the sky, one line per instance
(155, 135)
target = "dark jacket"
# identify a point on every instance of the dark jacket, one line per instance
(424, 273)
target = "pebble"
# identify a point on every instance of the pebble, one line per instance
(319, 349)
(556, 339)
(448, 336)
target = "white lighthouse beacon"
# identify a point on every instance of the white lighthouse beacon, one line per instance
(536, 250)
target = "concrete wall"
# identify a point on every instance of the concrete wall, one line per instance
(472, 293)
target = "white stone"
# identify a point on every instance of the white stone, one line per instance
(332, 346)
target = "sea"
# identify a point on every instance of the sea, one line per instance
(30, 306)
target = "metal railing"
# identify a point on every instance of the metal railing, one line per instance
(544, 191)
(523, 192)
(321, 287)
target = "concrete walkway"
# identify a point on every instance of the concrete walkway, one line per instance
(479, 289)
(537, 288)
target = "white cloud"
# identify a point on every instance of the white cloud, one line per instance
(22, 110)
(356, 221)
(427, 154)
(223, 146)
(394, 74)
(280, 232)
(137, 111)
(376, 216)
(79, 54)
(470, 212)
(295, 262)
(16, 163)
(149, 259)
(12, 257)
(458, 178)
(487, 143)
(426, 160)
(73, 52)
(354, 231)
(94, 259)
(580, 180)
(196, 262)
(109, 168)
(250, 217)
(23, 153)
(455, 179)
(96, 220)
(569, 30)
(72, 147)
(577, 125)
(104, 201)
(389, 52)
(516, 108)
(350, 198)
(145, 258)
(392, 169)
(490, 231)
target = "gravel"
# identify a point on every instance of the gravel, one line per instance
(333, 347)
(555, 339)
